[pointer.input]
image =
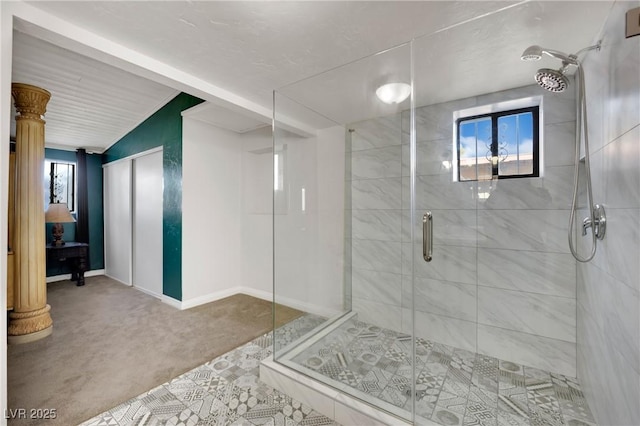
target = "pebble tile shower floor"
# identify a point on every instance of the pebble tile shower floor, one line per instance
(454, 387)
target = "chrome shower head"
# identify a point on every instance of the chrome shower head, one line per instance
(532, 53)
(552, 80)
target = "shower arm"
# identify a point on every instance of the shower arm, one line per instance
(571, 59)
(596, 46)
(566, 59)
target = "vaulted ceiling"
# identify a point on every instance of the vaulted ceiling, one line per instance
(252, 48)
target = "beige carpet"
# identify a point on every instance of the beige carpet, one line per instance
(111, 343)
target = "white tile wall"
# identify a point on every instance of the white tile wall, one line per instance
(542, 352)
(376, 194)
(553, 191)
(536, 230)
(376, 133)
(528, 271)
(451, 263)
(376, 163)
(445, 298)
(539, 314)
(382, 256)
(502, 262)
(557, 149)
(609, 287)
(451, 227)
(622, 181)
(450, 331)
(378, 313)
(382, 287)
(438, 192)
(384, 225)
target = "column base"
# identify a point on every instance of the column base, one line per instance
(31, 337)
(27, 327)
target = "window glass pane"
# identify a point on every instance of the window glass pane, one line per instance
(59, 184)
(47, 183)
(515, 144)
(474, 144)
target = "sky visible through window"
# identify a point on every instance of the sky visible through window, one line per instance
(514, 148)
(514, 131)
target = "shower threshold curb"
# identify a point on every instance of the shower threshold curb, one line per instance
(340, 407)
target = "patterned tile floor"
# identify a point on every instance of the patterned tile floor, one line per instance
(453, 386)
(225, 391)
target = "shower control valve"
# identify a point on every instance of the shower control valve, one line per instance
(599, 222)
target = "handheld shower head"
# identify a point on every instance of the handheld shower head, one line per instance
(552, 80)
(532, 53)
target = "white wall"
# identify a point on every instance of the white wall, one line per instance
(523, 311)
(227, 218)
(309, 253)
(257, 201)
(211, 215)
(330, 211)
(609, 285)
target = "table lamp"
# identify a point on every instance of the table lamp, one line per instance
(58, 213)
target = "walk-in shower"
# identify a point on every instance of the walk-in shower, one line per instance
(556, 81)
(426, 238)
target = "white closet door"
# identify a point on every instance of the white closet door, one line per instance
(147, 223)
(117, 220)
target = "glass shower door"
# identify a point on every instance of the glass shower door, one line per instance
(349, 166)
(441, 285)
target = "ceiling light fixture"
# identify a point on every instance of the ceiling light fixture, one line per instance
(393, 93)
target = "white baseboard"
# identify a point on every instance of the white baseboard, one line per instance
(117, 280)
(292, 303)
(172, 302)
(308, 307)
(63, 277)
(260, 294)
(211, 297)
(150, 293)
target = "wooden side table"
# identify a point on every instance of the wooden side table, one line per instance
(76, 253)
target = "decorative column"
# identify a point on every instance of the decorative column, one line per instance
(30, 319)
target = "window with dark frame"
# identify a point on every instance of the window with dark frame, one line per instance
(60, 184)
(498, 145)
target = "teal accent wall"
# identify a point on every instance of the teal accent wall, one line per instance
(96, 213)
(164, 128)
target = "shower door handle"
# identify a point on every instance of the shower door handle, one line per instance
(427, 236)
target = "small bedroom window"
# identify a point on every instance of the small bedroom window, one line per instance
(60, 184)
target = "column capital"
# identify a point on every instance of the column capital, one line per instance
(30, 101)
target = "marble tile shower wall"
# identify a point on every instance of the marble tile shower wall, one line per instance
(502, 281)
(609, 285)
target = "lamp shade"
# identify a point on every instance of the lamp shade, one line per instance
(58, 213)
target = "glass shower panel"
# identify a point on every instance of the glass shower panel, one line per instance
(308, 221)
(423, 242)
(495, 304)
(341, 261)
(450, 159)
